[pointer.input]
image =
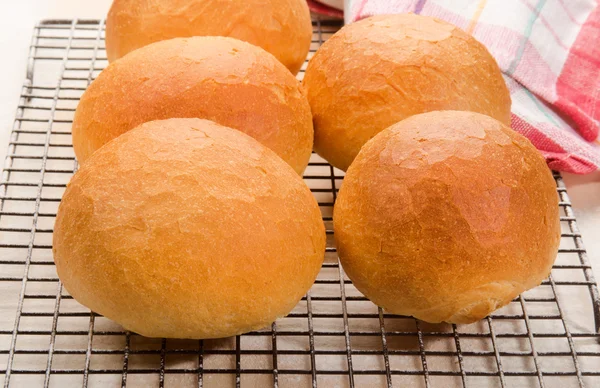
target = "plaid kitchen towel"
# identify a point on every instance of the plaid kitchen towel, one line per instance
(329, 8)
(549, 52)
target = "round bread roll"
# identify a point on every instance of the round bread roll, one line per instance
(282, 27)
(378, 71)
(221, 79)
(447, 216)
(185, 228)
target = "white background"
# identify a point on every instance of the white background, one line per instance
(17, 19)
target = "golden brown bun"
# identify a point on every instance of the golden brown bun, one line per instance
(225, 80)
(378, 71)
(282, 27)
(447, 216)
(185, 228)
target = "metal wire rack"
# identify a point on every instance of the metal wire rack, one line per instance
(335, 337)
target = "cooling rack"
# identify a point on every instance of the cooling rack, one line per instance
(547, 337)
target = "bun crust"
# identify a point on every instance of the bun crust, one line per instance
(183, 228)
(281, 27)
(378, 71)
(447, 216)
(221, 79)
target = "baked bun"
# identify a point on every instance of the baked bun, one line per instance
(221, 79)
(378, 71)
(282, 27)
(447, 216)
(185, 228)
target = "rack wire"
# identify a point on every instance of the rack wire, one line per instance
(335, 337)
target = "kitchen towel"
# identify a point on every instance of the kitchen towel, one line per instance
(329, 8)
(549, 52)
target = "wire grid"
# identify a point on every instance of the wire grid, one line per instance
(334, 337)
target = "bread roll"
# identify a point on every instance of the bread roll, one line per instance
(282, 27)
(447, 216)
(185, 228)
(225, 80)
(378, 71)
